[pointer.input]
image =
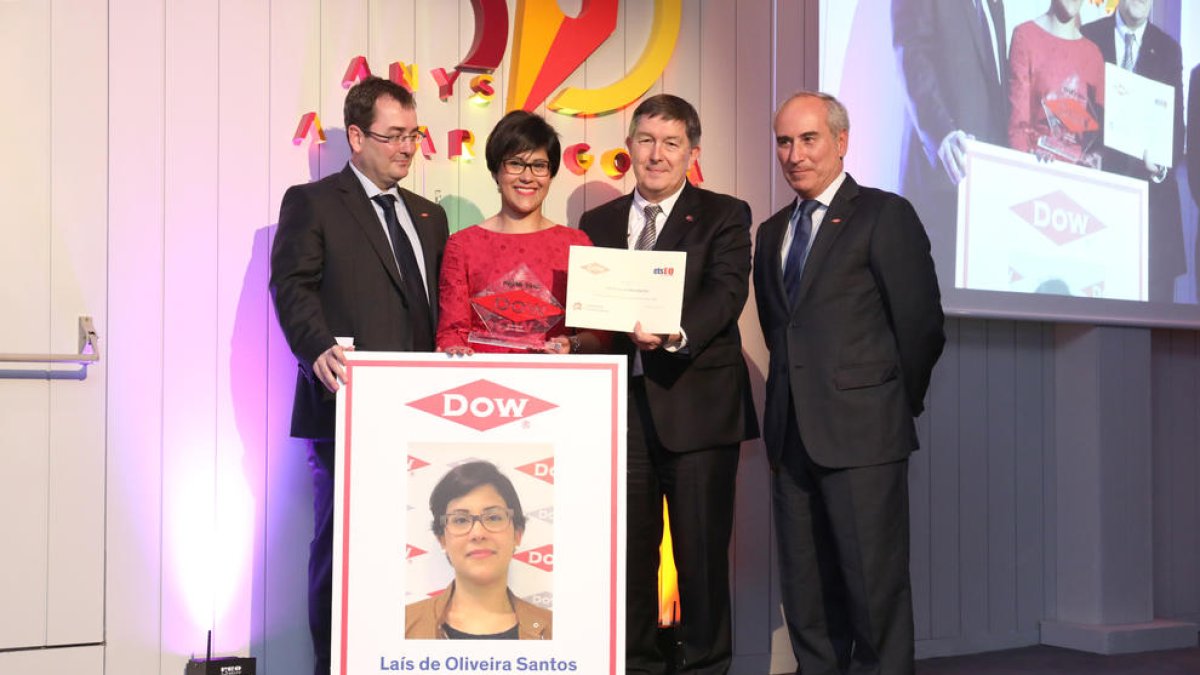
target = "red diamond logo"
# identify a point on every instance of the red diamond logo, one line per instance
(415, 463)
(541, 558)
(413, 552)
(518, 305)
(482, 405)
(543, 469)
(1061, 219)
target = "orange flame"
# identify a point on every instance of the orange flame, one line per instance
(668, 580)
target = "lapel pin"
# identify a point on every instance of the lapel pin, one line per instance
(424, 215)
(689, 218)
(836, 220)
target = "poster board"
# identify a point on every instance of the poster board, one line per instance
(555, 427)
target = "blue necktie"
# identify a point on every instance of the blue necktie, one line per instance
(796, 253)
(1127, 61)
(410, 275)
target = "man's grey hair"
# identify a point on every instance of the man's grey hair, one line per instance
(837, 116)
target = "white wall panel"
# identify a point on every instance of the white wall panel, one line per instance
(607, 65)
(243, 309)
(753, 171)
(437, 41)
(78, 274)
(192, 556)
(564, 204)
(344, 35)
(134, 517)
(294, 88)
(25, 303)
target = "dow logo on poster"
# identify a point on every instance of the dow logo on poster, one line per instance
(482, 405)
(541, 557)
(543, 469)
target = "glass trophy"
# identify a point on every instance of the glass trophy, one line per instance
(517, 311)
(1073, 123)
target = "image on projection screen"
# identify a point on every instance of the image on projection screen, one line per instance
(1047, 159)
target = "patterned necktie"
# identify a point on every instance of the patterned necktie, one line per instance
(1127, 60)
(796, 252)
(410, 275)
(649, 235)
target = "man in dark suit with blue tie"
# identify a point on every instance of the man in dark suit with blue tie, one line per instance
(689, 391)
(355, 256)
(1148, 51)
(851, 314)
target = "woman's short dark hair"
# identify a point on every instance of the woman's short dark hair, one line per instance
(464, 478)
(519, 132)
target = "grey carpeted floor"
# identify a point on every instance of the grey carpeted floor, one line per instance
(1042, 660)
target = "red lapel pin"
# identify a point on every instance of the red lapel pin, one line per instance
(426, 215)
(836, 220)
(688, 218)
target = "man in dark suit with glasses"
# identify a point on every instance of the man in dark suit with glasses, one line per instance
(355, 256)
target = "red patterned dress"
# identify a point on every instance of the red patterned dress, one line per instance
(475, 258)
(1044, 70)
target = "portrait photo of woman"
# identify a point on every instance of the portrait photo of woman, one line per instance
(478, 521)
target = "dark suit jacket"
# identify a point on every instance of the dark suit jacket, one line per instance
(951, 82)
(699, 398)
(1161, 60)
(854, 356)
(333, 274)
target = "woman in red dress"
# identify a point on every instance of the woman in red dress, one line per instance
(507, 263)
(1056, 86)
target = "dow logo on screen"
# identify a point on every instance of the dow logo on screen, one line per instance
(1061, 219)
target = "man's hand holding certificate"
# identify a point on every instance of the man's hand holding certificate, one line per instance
(613, 289)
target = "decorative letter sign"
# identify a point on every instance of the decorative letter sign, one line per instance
(548, 46)
(491, 36)
(482, 90)
(445, 82)
(309, 122)
(663, 34)
(404, 75)
(616, 162)
(577, 158)
(462, 143)
(355, 72)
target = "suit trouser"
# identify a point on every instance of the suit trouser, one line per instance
(320, 554)
(843, 558)
(699, 489)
